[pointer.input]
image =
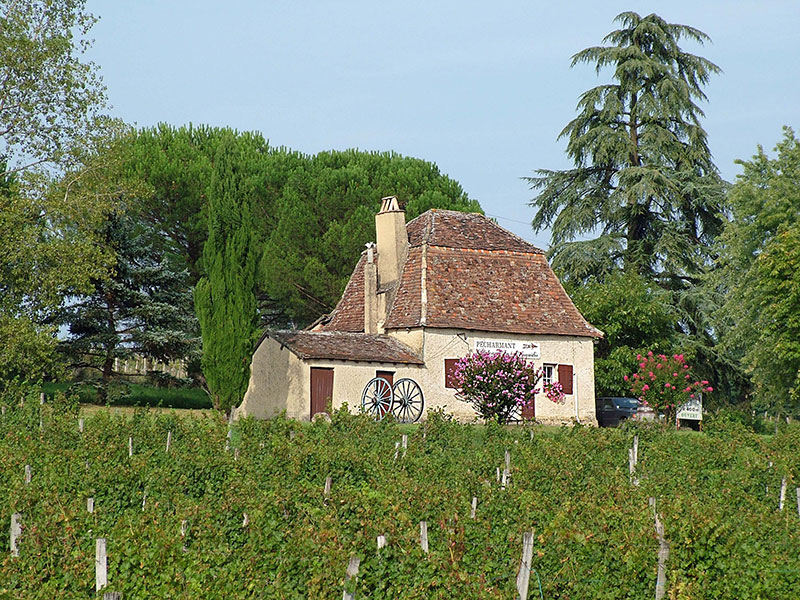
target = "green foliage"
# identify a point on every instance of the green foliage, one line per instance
(759, 272)
(176, 166)
(225, 298)
(49, 96)
(326, 213)
(594, 535)
(634, 316)
(144, 307)
(643, 172)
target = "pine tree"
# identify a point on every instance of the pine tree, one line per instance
(225, 298)
(143, 307)
(643, 173)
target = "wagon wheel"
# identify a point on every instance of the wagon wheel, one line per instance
(377, 398)
(408, 401)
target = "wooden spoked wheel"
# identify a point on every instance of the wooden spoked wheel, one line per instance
(408, 401)
(377, 398)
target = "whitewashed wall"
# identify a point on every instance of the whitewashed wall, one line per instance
(280, 380)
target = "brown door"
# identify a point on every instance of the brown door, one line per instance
(529, 410)
(321, 389)
(387, 375)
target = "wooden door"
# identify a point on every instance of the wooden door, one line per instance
(321, 389)
(387, 375)
(529, 411)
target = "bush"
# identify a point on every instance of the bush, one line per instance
(500, 384)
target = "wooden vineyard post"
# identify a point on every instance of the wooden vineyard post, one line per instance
(396, 450)
(635, 450)
(90, 505)
(405, 444)
(80, 425)
(797, 491)
(169, 440)
(508, 460)
(28, 474)
(100, 564)
(663, 555)
(782, 499)
(498, 474)
(16, 531)
(474, 507)
(328, 484)
(130, 447)
(184, 531)
(423, 536)
(524, 575)
(352, 572)
(381, 541)
(504, 479)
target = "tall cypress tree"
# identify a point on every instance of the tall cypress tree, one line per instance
(225, 298)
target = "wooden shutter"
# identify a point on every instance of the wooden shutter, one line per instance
(565, 378)
(449, 373)
(321, 389)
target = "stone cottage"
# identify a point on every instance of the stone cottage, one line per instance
(428, 293)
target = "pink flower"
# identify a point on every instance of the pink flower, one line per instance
(638, 357)
(645, 387)
(674, 374)
(691, 396)
(658, 366)
(709, 389)
(650, 353)
(667, 385)
(704, 382)
(625, 378)
(687, 376)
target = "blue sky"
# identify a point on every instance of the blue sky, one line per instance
(481, 89)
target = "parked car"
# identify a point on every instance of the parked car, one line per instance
(613, 411)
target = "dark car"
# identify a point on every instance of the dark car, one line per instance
(613, 411)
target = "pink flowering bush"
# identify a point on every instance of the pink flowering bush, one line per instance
(496, 384)
(665, 383)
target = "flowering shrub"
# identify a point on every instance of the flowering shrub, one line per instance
(497, 384)
(554, 392)
(665, 383)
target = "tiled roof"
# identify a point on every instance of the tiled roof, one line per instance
(510, 292)
(466, 272)
(338, 345)
(453, 229)
(349, 313)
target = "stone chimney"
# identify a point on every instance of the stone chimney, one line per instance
(370, 292)
(390, 230)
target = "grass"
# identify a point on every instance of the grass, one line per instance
(134, 394)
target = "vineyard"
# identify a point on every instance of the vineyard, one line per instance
(276, 509)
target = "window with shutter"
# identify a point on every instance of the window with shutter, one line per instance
(565, 378)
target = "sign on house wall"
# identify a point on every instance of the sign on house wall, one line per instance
(529, 350)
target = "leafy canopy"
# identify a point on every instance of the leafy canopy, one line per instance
(643, 176)
(759, 262)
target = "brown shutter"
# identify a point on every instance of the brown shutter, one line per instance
(565, 378)
(449, 373)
